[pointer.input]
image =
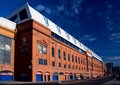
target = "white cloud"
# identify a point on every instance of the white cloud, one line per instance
(74, 7)
(41, 8)
(88, 38)
(60, 8)
(115, 37)
(109, 23)
(114, 58)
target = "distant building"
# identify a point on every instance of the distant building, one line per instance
(109, 67)
(116, 70)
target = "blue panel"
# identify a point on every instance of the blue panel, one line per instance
(55, 77)
(39, 77)
(75, 77)
(6, 77)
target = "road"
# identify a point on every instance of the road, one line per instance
(112, 82)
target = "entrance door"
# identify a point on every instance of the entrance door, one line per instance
(39, 76)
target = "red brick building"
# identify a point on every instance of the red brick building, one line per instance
(45, 52)
(7, 43)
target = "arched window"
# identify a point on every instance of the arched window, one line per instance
(53, 53)
(42, 47)
(58, 53)
(64, 55)
(68, 57)
(72, 58)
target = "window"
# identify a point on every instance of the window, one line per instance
(45, 62)
(79, 60)
(40, 61)
(64, 65)
(42, 49)
(53, 63)
(74, 40)
(68, 37)
(72, 58)
(5, 50)
(58, 28)
(53, 54)
(69, 66)
(64, 55)
(76, 59)
(68, 57)
(59, 64)
(76, 67)
(46, 21)
(58, 53)
(23, 14)
(73, 67)
(67, 42)
(14, 18)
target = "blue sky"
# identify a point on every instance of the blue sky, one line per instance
(95, 23)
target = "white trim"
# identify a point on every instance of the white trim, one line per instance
(7, 23)
(6, 73)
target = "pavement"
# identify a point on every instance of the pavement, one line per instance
(112, 82)
(99, 81)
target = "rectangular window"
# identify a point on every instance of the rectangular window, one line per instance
(73, 67)
(69, 66)
(53, 54)
(59, 64)
(44, 49)
(58, 28)
(46, 21)
(64, 65)
(40, 48)
(5, 50)
(53, 63)
(76, 67)
(40, 61)
(45, 62)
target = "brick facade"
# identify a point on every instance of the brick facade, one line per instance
(30, 35)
